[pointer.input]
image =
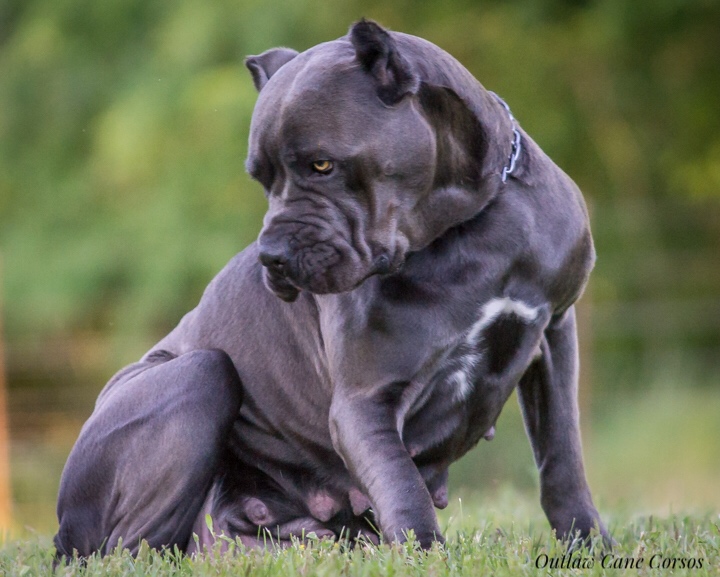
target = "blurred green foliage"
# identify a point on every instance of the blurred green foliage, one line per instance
(123, 129)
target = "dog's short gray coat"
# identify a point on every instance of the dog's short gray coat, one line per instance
(417, 291)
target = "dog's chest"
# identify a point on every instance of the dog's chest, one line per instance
(451, 398)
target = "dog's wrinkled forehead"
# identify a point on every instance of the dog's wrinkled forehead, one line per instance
(320, 99)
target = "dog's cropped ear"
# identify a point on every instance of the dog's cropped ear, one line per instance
(262, 67)
(377, 53)
(461, 140)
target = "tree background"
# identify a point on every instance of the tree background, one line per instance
(123, 131)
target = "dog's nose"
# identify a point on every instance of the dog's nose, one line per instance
(273, 260)
(382, 264)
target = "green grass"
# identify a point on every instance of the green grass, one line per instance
(502, 537)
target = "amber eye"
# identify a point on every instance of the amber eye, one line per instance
(322, 166)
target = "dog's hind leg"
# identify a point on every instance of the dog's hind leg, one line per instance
(548, 399)
(147, 456)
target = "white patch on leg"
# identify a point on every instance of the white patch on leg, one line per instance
(493, 309)
(461, 384)
(461, 379)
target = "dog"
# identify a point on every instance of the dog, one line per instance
(419, 261)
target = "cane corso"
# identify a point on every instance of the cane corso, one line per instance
(418, 262)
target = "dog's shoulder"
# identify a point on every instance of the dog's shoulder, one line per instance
(234, 311)
(546, 207)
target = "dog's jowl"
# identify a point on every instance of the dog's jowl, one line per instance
(419, 261)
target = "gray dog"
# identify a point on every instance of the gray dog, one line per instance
(426, 255)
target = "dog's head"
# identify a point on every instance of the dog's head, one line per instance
(362, 161)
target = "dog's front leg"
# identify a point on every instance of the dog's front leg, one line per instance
(364, 433)
(548, 399)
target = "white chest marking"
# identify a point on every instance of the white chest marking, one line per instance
(491, 310)
(460, 378)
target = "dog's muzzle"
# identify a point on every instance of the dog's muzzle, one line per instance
(281, 278)
(276, 274)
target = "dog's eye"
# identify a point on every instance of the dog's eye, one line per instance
(322, 166)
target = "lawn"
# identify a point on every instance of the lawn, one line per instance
(507, 536)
